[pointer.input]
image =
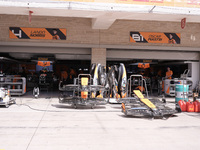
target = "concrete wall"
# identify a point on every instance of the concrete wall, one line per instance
(194, 70)
(162, 55)
(119, 32)
(79, 30)
(98, 56)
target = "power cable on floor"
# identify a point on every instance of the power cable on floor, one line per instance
(36, 109)
(37, 126)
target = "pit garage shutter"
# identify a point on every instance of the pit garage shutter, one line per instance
(121, 54)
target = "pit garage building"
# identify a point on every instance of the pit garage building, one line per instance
(106, 32)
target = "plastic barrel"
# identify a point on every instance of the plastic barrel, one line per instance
(181, 92)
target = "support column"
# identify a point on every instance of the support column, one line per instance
(199, 68)
(98, 55)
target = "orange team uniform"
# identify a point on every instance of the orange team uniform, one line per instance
(64, 75)
(168, 73)
(172, 41)
(160, 73)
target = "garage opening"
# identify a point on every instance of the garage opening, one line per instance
(41, 69)
(152, 65)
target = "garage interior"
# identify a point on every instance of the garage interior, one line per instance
(101, 24)
(25, 64)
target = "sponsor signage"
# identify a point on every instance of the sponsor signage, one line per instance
(155, 37)
(37, 33)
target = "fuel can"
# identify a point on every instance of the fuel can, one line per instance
(182, 105)
(196, 106)
(190, 106)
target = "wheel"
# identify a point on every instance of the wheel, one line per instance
(7, 106)
(93, 105)
(163, 100)
(61, 98)
(36, 92)
(75, 106)
(125, 113)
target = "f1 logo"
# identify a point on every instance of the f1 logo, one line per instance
(19, 34)
(138, 37)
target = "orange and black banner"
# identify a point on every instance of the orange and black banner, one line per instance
(37, 33)
(155, 37)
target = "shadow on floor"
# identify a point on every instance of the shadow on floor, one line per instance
(79, 107)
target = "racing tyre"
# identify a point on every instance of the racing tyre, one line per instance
(92, 107)
(75, 106)
(61, 98)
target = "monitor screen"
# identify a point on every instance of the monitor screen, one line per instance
(44, 65)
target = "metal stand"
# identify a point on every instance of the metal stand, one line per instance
(16, 85)
(137, 80)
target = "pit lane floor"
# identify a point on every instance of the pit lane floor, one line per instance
(53, 126)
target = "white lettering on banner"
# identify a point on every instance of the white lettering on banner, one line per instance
(137, 37)
(17, 34)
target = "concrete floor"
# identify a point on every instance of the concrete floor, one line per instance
(54, 126)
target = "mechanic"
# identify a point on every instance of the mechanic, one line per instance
(169, 73)
(64, 76)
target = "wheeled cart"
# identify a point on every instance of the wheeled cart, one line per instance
(5, 98)
(81, 93)
(139, 106)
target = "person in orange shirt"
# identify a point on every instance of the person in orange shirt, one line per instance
(169, 73)
(64, 75)
(159, 73)
(72, 75)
